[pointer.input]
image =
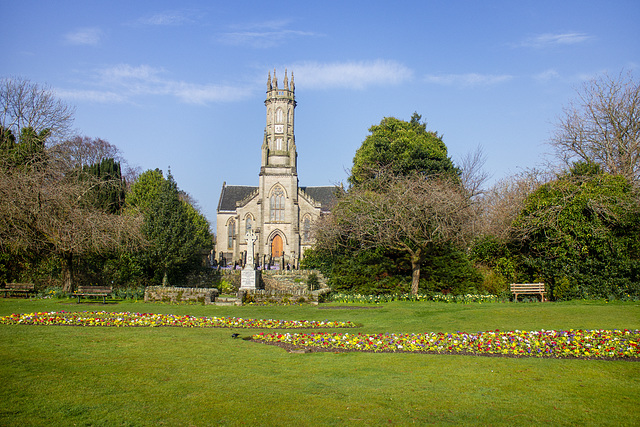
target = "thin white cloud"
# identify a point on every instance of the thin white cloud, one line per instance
(84, 36)
(91, 96)
(168, 18)
(351, 75)
(469, 79)
(550, 39)
(126, 83)
(262, 35)
(547, 75)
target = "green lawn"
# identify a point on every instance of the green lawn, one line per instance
(56, 375)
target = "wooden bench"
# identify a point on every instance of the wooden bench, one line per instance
(18, 288)
(527, 288)
(93, 291)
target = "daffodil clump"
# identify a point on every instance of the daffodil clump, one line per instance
(624, 344)
(126, 319)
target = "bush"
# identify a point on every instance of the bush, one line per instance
(313, 282)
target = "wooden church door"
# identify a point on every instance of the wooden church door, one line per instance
(276, 246)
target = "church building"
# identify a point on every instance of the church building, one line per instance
(278, 210)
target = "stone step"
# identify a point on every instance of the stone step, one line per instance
(228, 301)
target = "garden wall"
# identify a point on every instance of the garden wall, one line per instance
(170, 294)
(278, 280)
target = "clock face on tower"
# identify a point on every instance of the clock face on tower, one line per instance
(279, 128)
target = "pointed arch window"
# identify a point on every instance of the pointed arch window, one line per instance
(279, 115)
(306, 229)
(248, 224)
(231, 232)
(276, 205)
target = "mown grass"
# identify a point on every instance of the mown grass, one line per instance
(56, 375)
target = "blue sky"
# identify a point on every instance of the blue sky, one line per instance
(181, 84)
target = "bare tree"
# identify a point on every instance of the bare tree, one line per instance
(25, 104)
(473, 175)
(44, 211)
(603, 126)
(79, 151)
(502, 203)
(413, 214)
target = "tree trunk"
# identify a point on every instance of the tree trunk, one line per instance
(415, 275)
(67, 272)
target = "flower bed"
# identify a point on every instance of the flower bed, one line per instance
(126, 319)
(379, 299)
(587, 344)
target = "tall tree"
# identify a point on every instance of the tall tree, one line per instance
(24, 104)
(45, 211)
(602, 125)
(144, 190)
(580, 233)
(176, 245)
(410, 214)
(109, 192)
(177, 232)
(403, 148)
(80, 151)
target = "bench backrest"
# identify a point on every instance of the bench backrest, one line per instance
(95, 289)
(527, 287)
(21, 286)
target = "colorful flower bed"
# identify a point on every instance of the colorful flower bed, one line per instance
(126, 319)
(586, 344)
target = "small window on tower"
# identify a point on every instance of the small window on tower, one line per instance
(279, 115)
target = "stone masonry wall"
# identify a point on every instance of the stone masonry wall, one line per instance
(170, 294)
(279, 280)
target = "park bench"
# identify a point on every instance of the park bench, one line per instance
(18, 288)
(527, 288)
(93, 291)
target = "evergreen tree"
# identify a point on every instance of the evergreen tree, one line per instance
(109, 196)
(177, 240)
(580, 234)
(403, 148)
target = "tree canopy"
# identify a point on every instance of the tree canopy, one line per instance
(406, 205)
(24, 105)
(177, 232)
(403, 148)
(580, 234)
(47, 210)
(408, 214)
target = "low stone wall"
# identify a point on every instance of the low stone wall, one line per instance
(174, 295)
(274, 296)
(278, 280)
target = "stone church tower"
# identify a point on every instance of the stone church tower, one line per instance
(278, 211)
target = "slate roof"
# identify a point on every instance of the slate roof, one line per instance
(231, 194)
(325, 195)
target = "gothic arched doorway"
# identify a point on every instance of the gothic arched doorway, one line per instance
(276, 246)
